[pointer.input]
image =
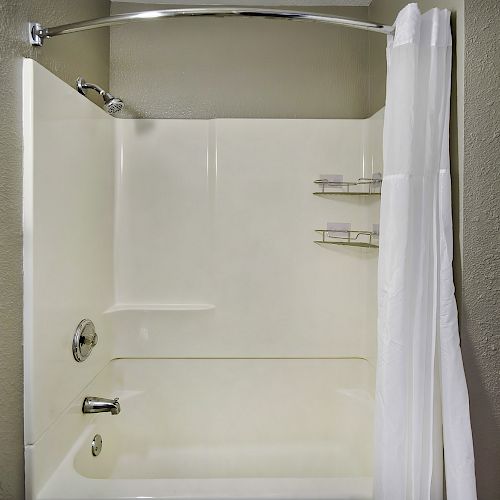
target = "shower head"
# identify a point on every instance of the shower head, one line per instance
(111, 104)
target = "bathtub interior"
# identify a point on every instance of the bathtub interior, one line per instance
(234, 418)
(239, 348)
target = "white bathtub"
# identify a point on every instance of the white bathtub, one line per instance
(221, 429)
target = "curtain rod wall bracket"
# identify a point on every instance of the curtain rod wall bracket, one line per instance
(38, 33)
(34, 33)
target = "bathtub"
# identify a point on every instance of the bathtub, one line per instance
(219, 429)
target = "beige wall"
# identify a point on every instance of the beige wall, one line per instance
(480, 318)
(244, 68)
(87, 54)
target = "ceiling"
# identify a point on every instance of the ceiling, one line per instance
(260, 3)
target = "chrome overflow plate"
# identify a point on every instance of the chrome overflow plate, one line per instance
(96, 445)
(84, 340)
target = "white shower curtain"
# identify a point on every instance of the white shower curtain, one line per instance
(421, 396)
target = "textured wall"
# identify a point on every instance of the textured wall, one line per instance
(74, 54)
(481, 258)
(240, 68)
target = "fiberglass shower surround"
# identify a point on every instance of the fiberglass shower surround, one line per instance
(228, 381)
(421, 402)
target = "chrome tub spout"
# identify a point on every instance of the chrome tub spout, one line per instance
(100, 405)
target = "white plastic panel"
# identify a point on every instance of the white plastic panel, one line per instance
(226, 217)
(162, 212)
(213, 257)
(68, 229)
(235, 418)
(224, 428)
(281, 294)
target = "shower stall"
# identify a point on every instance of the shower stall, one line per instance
(241, 351)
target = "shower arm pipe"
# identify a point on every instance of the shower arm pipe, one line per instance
(38, 33)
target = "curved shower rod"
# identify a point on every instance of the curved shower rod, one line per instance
(38, 33)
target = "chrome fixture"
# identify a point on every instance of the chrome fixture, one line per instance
(84, 340)
(96, 445)
(331, 185)
(366, 239)
(111, 104)
(38, 33)
(93, 404)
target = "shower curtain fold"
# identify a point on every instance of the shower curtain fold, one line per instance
(421, 403)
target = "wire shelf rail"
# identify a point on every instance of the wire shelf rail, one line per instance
(341, 187)
(366, 239)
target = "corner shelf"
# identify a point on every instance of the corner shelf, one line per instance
(345, 187)
(363, 239)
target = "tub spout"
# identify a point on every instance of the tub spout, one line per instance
(100, 405)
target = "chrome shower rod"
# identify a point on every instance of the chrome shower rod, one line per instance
(38, 33)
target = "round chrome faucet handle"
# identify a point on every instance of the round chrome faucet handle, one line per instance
(84, 340)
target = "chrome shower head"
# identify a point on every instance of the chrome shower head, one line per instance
(111, 104)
